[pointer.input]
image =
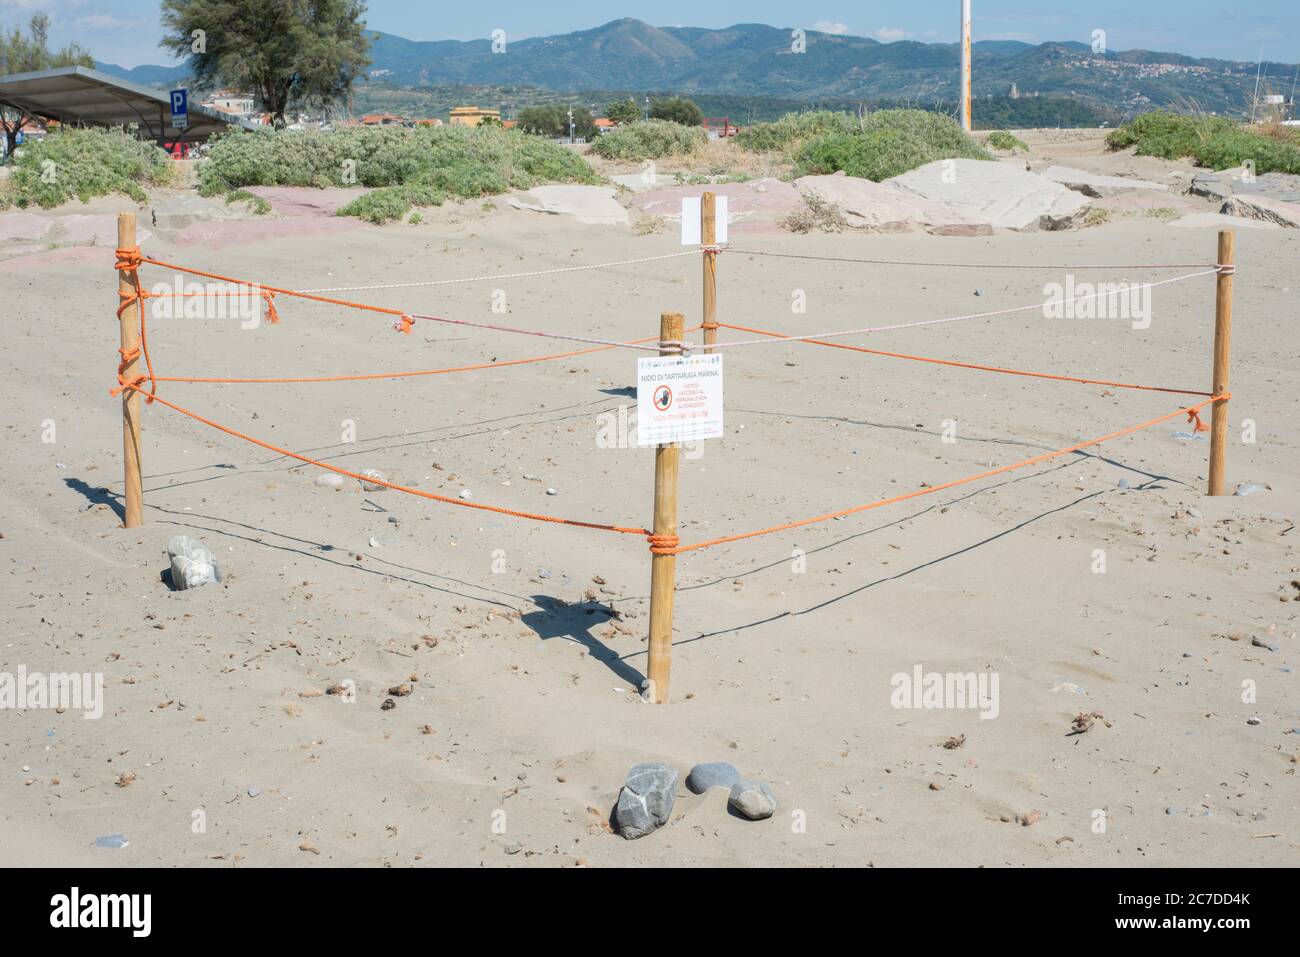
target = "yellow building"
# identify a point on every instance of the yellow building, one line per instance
(472, 115)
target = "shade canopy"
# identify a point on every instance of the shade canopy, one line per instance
(79, 96)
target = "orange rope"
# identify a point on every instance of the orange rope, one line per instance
(536, 517)
(128, 262)
(1190, 410)
(968, 365)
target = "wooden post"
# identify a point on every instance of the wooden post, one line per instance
(1222, 355)
(663, 567)
(709, 237)
(129, 329)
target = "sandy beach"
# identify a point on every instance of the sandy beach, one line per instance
(523, 644)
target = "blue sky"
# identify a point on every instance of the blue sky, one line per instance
(126, 31)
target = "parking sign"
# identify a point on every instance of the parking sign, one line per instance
(180, 109)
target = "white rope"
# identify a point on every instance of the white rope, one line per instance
(935, 322)
(512, 275)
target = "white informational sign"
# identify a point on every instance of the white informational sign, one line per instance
(691, 220)
(678, 399)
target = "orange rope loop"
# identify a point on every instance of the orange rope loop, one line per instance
(404, 324)
(128, 262)
(272, 315)
(663, 544)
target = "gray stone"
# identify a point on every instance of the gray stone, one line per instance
(1284, 187)
(752, 799)
(1265, 208)
(646, 800)
(715, 774)
(192, 563)
(179, 212)
(1002, 195)
(1096, 185)
(882, 207)
(587, 204)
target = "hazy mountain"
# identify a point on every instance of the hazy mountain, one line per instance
(751, 59)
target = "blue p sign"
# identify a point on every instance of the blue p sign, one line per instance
(179, 102)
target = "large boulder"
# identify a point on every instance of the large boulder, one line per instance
(586, 204)
(883, 207)
(646, 801)
(1002, 195)
(1096, 185)
(1264, 208)
(1224, 184)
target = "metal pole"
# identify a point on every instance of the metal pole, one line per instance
(965, 105)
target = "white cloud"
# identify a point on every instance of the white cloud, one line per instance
(890, 34)
(830, 26)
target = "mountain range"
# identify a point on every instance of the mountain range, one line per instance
(752, 59)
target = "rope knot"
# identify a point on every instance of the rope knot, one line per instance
(404, 325)
(1194, 418)
(674, 347)
(128, 259)
(663, 544)
(272, 316)
(1226, 270)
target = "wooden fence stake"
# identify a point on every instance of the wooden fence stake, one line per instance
(1222, 355)
(663, 567)
(129, 331)
(709, 237)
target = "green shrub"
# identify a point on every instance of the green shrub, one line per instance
(83, 164)
(1213, 141)
(257, 204)
(792, 129)
(887, 143)
(1167, 135)
(390, 203)
(1232, 148)
(1002, 140)
(650, 139)
(423, 165)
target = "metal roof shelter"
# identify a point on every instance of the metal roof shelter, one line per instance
(79, 96)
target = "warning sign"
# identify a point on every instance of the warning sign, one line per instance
(678, 399)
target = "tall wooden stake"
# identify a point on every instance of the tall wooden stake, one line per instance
(709, 237)
(1222, 355)
(129, 329)
(663, 567)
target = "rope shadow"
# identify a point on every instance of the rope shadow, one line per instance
(900, 575)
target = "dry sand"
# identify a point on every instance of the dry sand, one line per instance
(524, 716)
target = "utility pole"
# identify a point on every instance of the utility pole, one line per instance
(965, 105)
(570, 126)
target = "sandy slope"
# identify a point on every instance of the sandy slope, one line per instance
(529, 703)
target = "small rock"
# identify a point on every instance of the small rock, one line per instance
(330, 480)
(466, 493)
(513, 848)
(371, 479)
(1173, 810)
(551, 491)
(1193, 512)
(1261, 643)
(114, 841)
(254, 792)
(1254, 721)
(192, 564)
(646, 801)
(1250, 489)
(715, 774)
(752, 799)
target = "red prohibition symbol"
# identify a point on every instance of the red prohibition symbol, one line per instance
(663, 398)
